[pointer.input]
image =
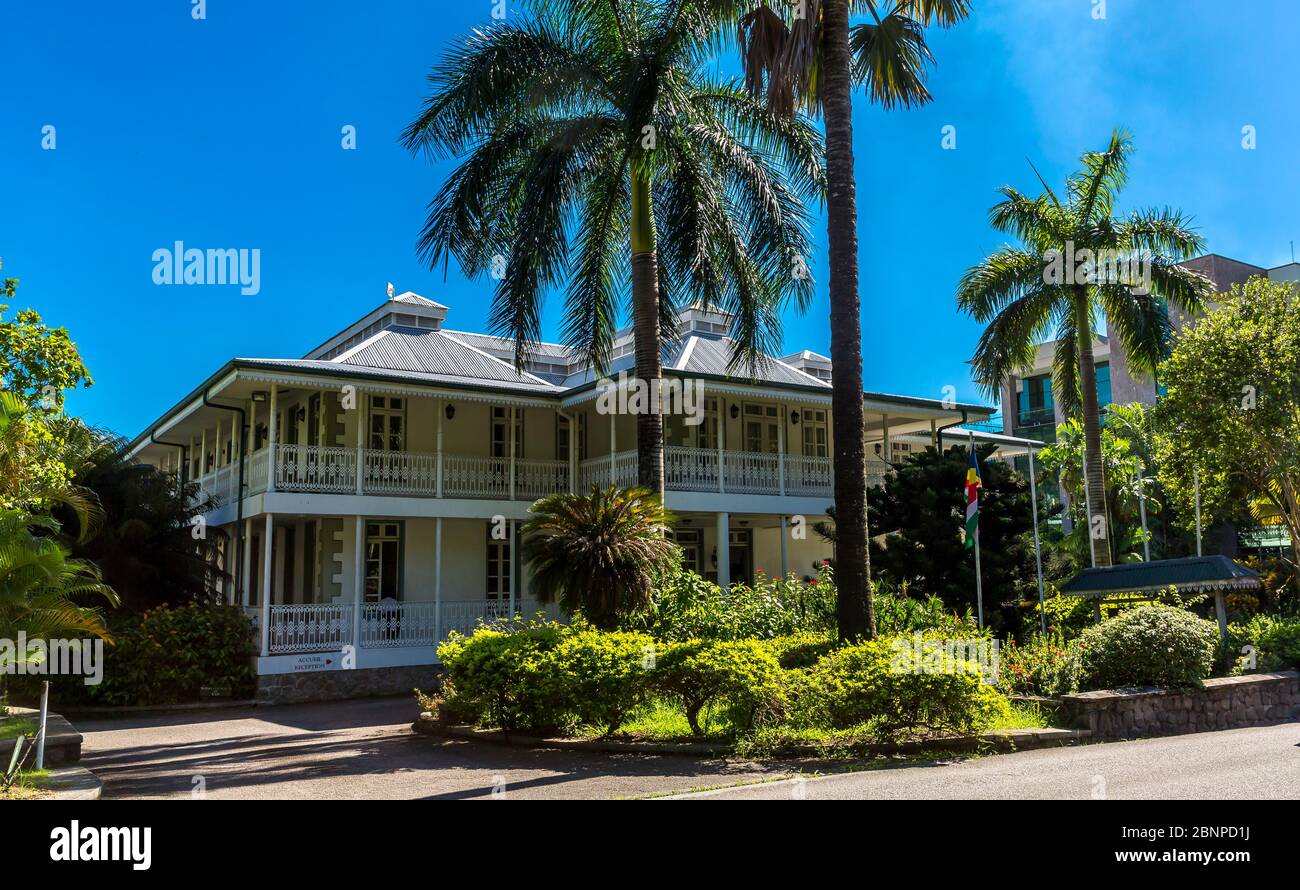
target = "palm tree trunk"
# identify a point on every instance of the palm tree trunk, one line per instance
(1094, 477)
(645, 325)
(856, 617)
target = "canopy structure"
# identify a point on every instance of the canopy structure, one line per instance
(1143, 580)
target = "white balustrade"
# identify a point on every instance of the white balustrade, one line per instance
(315, 468)
(746, 472)
(690, 469)
(389, 624)
(471, 476)
(310, 627)
(808, 475)
(400, 472)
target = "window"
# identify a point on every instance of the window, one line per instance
(383, 561)
(1035, 400)
(498, 564)
(387, 429)
(260, 436)
(707, 431)
(562, 437)
(813, 421)
(691, 541)
(500, 444)
(762, 428)
(1103, 384)
(314, 420)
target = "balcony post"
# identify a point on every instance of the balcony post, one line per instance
(514, 556)
(785, 555)
(722, 436)
(248, 563)
(780, 456)
(888, 446)
(511, 434)
(724, 550)
(270, 440)
(573, 453)
(439, 407)
(359, 576)
(437, 581)
(361, 439)
(267, 532)
(613, 445)
(203, 455)
(934, 435)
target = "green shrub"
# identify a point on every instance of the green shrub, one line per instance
(882, 684)
(741, 678)
(898, 613)
(1151, 645)
(686, 607)
(801, 650)
(496, 677)
(163, 656)
(1040, 666)
(1276, 642)
(598, 679)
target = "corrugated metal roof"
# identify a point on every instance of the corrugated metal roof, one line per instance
(1193, 573)
(432, 352)
(709, 355)
(504, 344)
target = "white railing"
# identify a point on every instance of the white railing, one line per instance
(311, 627)
(877, 470)
(746, 472)
(389, 624)
(255, 473)
(538, 478)
(690, 469)
(471, 476)
(400, 472)
(808, 475)
(315, 468)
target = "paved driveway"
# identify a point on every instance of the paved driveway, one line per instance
(362, 749)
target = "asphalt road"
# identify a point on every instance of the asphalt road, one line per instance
(1256, 763)
(366, 749)
(362, 750)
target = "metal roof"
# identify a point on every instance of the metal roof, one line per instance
(1192, 574)
(432, 352)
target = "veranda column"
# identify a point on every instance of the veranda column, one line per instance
(573, 453)
(359, 578)
(248, 562)
(722, 435)
(270, 439)
(437, 581)
(441, 408)
(361, 439)
(785, 556)
(780, 451)
(613, 445)
(514, 555)
(724, 550)
(511, 434)
(934, 434)
(888, 446)
(267, 533)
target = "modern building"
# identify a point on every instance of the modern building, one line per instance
(372, 503)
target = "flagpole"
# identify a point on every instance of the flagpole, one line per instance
(1038, 550)
(979, 580)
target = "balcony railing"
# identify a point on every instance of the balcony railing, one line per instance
(328, 627)
(326, 469)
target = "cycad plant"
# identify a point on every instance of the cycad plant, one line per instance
(1078, 264)
(807, 55)
(596, 152)
(598, 553)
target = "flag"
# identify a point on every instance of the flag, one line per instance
(972, 499)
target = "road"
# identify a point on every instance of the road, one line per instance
(1256, 763)
(366, 750)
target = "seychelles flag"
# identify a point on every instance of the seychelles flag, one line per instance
(972, 499)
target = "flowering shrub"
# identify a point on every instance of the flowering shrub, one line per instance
(1041, 666)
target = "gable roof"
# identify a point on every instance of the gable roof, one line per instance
(1192, 574)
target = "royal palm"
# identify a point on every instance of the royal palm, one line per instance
(1079, 264)
(808, 56)
(595, 152)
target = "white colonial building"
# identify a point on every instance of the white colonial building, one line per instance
(368, 495)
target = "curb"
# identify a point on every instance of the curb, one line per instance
(73, 783)
(1001, 740)
(113, 712)
(62, 741)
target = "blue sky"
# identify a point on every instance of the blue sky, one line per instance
(226, 133)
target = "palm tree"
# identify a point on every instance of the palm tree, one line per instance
(812, 58)
(598, 553)
(42, 590)
(1027, 293)
(595, 149)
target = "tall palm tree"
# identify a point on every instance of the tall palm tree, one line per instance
(810, 57)
(594, 148)
(598, 552)
(1038, 290)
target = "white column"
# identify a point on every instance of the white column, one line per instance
(514, 556)
(267, 531)
(270, 440)
(889, 446)
(511, 433)
(785, 555)
(1038, 550)
(724, 551)
(441, 408)
(359, 581)
(248, 562)
(722, 436)
(437, 581)
(203, 453)
(613, 445)
(361, 440)
(573, 453)
(934, 434)
(780, 451)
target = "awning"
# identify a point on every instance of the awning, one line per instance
(1193, 574)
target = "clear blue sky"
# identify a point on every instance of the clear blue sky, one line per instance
(226, 132)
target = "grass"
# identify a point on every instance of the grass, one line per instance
(11, 727)
(28, 785)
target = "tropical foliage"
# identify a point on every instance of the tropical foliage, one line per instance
(596, 149)
(598, 553)
(1078, 262)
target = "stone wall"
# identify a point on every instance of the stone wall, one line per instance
(1224, 703)
(283, 689)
